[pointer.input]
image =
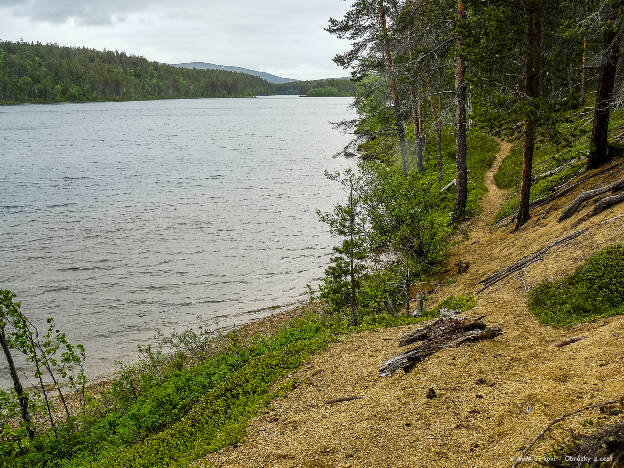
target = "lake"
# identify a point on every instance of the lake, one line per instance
(119, 219)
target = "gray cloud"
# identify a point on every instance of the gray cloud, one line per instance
(278, 36)
(87, 12)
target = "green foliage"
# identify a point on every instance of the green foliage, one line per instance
(593, 291)
(33, 72)
(160, 413)
(326, 91)
(342, 281)
(462, 302)
(332, 87)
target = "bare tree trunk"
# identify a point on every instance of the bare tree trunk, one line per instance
(461, 170)
(421, 138)
(37, 363)
(437, 119)
(354, 317)
(584, 62)
(598, 154)
(417, 129)
(22, 397)
(533, 63)
(393, 88)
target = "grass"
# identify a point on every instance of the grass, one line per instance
(463, 302)
(595, 290)
(174, 416)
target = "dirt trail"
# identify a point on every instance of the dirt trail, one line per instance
(493, 396)
(494, 197)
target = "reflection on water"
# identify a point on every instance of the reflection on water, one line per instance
(121, 218)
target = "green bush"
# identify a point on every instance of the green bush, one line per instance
(593, 291)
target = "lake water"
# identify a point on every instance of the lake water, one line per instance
(119, 219)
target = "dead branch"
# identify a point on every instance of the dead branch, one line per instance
(557, 170)
(522, 456)
(447, 186)
(585, 196)
(526, 261)
(445, 332)
(569, 341)
(343, 399)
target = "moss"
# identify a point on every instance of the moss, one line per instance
(595, 290)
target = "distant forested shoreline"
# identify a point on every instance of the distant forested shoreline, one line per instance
(47, 73)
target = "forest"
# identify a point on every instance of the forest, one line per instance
(43, 73)
(441, 86)
(437, 81)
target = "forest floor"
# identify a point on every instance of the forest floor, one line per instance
(493, 397)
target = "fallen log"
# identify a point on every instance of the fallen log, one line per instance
(447, 324)
(445, 332)
(526, 261)
(585, 196)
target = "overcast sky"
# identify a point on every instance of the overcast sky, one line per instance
(284, 37)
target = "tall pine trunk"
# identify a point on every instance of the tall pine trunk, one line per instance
(415, 95)
(598, 153)
(437, 119)
(417, 120)
(584, 60)
(22, 397)
(532, 72)
(461, 170)
(393, 88)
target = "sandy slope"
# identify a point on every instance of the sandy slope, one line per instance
(493, 397)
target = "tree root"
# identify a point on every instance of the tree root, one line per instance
(558, 192)
(585, 196)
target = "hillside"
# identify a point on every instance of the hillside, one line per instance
(211, 66)
(492, 398)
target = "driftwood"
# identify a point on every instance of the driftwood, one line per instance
(445, 332)
(558, 192)
(524, 453)
(526, 261)
(585, 196)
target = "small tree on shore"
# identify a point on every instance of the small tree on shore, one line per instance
(343, 276)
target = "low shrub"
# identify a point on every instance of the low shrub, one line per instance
(595, 290)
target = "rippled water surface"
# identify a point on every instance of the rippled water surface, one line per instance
(122, 218)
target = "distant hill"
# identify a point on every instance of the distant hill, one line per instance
(211, 66)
